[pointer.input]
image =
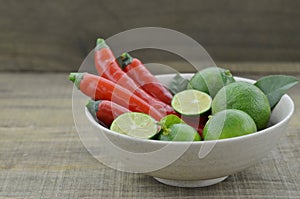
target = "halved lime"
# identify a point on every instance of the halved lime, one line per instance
(191, 102)
(139, 125)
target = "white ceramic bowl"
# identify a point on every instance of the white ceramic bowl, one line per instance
(188, 164)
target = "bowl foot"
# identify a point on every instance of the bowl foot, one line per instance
(190, 183)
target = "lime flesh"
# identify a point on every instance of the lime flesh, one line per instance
(135, 124)
(191, 102)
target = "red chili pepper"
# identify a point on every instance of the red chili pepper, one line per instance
(105, 111)
(135, 69)
(108, 68)
(99, 88)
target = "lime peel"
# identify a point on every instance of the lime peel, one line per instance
(227, 124)
(245, 97)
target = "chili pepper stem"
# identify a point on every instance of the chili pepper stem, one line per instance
(92, 106)
(72, 77)
(124, 60)
(76, 78)
(101, 44)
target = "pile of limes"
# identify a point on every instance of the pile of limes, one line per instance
(235, 108)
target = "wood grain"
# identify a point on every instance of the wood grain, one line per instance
(41, 155)
(57, 35)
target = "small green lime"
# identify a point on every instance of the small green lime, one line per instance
(210, 80)
(191, 102)
(227, 124)
(245, 97)
(135, 124)
(179, 132)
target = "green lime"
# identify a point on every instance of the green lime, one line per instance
(191, 102)
(210, 80)
(246, 97)
(135, 124)
(179, 132)
(227, 124)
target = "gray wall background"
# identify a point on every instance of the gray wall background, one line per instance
(57, 35)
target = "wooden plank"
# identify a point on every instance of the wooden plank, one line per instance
(41, 155)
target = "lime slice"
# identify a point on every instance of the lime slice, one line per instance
(191, 102)
(135, 124)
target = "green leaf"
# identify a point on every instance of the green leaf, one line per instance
(169, 120)
(178, 84)
(166, 123)
(275, 86)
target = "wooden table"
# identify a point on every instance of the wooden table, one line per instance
(41, 155)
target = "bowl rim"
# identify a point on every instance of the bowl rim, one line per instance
(258, 133)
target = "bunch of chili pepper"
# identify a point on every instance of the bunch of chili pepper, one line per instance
(122, 85)
(99, 88)
(107, 67)
(115, 92)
